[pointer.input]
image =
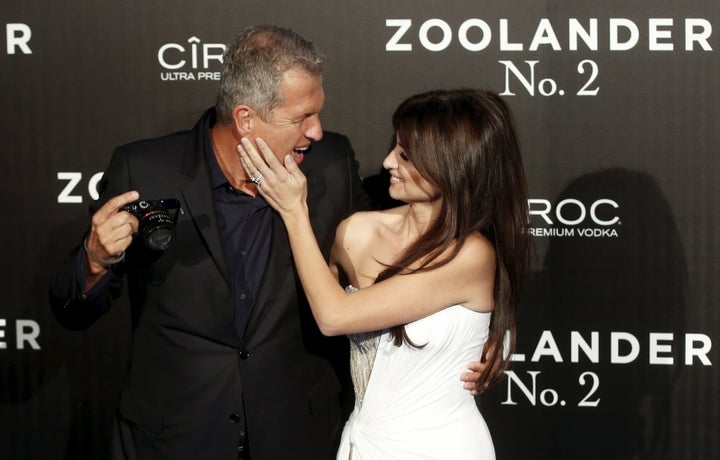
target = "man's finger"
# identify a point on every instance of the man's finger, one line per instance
(115, 203)
(477, 366)
(470, 376)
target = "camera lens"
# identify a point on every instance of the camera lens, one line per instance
(157, 229)
(156, 226)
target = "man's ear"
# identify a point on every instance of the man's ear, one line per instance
(242, 118)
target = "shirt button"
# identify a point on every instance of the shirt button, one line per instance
(235, 417)
(244, 354)
(243, 253)
(242, 296)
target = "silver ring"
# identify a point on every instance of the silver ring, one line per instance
(256, 180)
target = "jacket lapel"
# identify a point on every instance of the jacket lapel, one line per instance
(198, 193)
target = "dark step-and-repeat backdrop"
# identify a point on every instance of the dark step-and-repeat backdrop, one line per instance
(617, 105)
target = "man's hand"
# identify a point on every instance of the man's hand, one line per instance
(479, 379)
(110, 234)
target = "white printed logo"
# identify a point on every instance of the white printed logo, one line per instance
(571, 217)
(194, 61)
(17, 38)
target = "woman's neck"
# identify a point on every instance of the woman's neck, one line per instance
(418, 218)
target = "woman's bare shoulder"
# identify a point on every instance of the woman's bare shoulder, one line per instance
(477, 250)
(365, 223)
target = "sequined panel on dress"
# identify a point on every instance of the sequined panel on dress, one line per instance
(363, 348)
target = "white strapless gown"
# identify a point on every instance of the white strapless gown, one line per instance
(410, 402)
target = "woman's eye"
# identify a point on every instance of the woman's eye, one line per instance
(404, 157)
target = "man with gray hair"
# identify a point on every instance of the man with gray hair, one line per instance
(225, 358)
(226, 361)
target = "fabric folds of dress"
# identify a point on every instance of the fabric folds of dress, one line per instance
(411, 403)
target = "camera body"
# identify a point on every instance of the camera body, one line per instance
(157, 226)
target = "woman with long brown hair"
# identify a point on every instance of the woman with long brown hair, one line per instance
(426, 283)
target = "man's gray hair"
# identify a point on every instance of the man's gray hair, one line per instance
(254, 64)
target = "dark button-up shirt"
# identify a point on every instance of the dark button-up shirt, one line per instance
(245, 230)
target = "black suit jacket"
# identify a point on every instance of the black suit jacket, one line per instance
(190, 371)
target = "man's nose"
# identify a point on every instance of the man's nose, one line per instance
(314, 128)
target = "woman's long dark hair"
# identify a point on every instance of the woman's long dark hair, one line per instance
(463, 141)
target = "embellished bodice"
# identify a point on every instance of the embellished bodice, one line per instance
(363, 348)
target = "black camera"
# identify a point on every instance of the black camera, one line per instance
(157, 226)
